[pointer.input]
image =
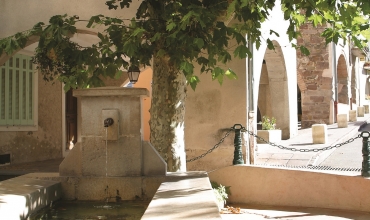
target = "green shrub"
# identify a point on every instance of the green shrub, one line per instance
(268, 124)
(221, 192)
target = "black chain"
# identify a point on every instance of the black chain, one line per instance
(213, 148)
(302, 149)
(273, 144)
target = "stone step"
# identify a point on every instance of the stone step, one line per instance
(22, 196)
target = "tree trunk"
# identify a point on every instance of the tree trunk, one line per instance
(167, 114)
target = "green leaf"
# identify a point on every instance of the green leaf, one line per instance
(241, 51)
(156, 37)
(111, 5)
(171, 25)
(11, 46)
(37, 28)
(21, 40)
(274, 32)
(186, 67)
(328, 16)
(217, 73)
(304, 50)
(270, 45)
(125, 3)
(129, 48)
(231, 8)
(138, 32)
(199, 42)
(94, 19)
(231, 74)
(192, 81)
(316, 19)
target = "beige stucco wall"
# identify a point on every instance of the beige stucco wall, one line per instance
(46, 142)
(210, 111)
(19, 15)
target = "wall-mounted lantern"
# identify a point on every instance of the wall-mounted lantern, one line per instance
(133, 74)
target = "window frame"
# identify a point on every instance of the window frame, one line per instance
(34, 125)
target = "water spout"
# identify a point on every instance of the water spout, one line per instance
(108, 122)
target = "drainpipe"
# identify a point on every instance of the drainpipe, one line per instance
(250, 101)
(334, 66)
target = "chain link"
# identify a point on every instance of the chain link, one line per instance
(213, 148)
(302, 149)
(273, 144)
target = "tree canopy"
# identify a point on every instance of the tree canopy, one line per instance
(185, 31)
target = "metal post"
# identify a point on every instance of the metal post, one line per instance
(238, 155)
(250, 102)
(365, 172)
(334, 72)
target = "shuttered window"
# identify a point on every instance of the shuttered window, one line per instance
(17, 91)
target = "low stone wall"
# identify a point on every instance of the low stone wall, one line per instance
(297, 188)
(22, 196)
(186, 195)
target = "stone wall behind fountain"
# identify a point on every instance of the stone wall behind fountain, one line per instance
(113, 162)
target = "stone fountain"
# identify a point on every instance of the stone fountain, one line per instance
(111, 161)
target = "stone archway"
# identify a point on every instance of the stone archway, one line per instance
(273, 90)
(342, 75)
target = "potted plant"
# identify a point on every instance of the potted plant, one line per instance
(269, 132)
(221, 192)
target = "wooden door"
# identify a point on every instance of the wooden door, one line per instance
(71, 119)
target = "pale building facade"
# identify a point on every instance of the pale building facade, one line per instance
(285, 85)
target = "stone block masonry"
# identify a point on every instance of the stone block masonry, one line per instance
(315, 85)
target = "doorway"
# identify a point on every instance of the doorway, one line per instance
(71, 119)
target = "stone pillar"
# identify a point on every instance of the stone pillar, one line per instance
(314, 77)
(360, 111)
(352, 115)
(319, 133)
(366, 109)
(342, 120)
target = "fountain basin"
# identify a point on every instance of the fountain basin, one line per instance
(188, 194)
(92, 210)
(95, 188)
